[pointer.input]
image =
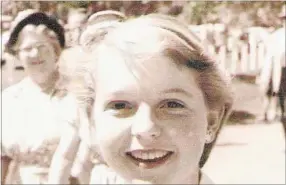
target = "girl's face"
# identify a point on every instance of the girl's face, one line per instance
(36, 52)
(150, 118)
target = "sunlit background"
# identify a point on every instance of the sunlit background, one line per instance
(250, 149)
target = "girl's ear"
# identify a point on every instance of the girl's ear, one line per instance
(216, 120)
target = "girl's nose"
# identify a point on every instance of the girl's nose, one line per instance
(146, 125)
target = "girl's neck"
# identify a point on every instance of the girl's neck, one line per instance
(192, 178)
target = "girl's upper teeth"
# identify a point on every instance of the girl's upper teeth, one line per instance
(141, 154)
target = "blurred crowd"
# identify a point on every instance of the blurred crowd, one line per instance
(219, 33)
(239, 49)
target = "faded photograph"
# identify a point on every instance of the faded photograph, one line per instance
(143, 92)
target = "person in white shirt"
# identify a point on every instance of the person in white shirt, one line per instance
(273, 74)
(31, 109)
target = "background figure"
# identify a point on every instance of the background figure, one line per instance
(96, 27)
(74, 27)
(273, 74)
(32, 108)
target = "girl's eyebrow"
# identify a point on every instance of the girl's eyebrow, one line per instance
(167, 91)
(121, 93)
(177, 90)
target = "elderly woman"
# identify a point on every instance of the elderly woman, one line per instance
(151, 102)
(31, 120)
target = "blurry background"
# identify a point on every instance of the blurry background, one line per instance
(237, 13)
(249, 150)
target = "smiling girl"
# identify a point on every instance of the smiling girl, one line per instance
(154, 102)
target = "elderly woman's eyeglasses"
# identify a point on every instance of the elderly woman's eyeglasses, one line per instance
(38, 46)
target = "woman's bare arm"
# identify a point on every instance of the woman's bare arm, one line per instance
(5, 163)
(68, 148)
(64, 156)
(82, 166)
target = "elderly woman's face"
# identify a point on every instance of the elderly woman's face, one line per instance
(150, 118)
(36, 51)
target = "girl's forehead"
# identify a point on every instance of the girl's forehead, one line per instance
(149, 80)
(133, 58)
(128, 35)
(144, 69)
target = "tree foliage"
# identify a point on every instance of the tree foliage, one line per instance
(235, 13)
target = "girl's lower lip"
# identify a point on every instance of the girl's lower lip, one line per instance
(150, 164)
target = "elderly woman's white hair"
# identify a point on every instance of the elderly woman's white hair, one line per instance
(42, 23)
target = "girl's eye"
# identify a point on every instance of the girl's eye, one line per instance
(120, 108)
(172, 104)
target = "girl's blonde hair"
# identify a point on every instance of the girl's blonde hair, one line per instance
(162, 35)
(106, 15)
